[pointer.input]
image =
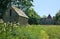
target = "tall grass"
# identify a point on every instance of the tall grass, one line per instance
(30, 32)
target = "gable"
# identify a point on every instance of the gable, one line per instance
(19, 12)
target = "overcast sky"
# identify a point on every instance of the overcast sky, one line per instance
(45, 7)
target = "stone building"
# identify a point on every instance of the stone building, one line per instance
(15, 15)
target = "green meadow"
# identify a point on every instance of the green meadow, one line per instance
(30, 32)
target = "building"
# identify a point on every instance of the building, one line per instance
(47, 21)
(15, 15)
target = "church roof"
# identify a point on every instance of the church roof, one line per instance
(19, 12)
(49, 16)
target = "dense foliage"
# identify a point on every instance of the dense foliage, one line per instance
(29, 32)
(23, 4)
(3, 6)
(34, 18)
(57, 18)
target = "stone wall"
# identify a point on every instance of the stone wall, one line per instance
(23, 20)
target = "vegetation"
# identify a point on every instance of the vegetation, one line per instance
(44, 16)
(30, 32)
(34, 18)
(57, 18)
(23, 3)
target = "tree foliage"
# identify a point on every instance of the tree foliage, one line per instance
(23, 4)
(34, 18)
(44, 16)
(3, 7)
(57, 17)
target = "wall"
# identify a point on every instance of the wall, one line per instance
(14, 18)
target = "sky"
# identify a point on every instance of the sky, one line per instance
(46, 7)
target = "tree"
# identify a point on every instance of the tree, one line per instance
(23, 4)
(34, 18)
(3, 6)
(44, 16)
(57, 17)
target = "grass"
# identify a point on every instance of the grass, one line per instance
(31, 32)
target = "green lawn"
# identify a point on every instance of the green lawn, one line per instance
(31, 32)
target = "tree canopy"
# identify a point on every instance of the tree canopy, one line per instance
(34, 18)
(58, 16)
(23, 3)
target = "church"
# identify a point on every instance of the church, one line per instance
(47, 21)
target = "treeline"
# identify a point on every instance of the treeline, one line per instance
(57, 18)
